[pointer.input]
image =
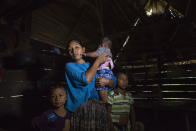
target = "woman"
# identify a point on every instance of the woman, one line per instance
(83, 99)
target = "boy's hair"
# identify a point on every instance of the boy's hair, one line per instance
(56, 86)
(106, 41)
(121, 72)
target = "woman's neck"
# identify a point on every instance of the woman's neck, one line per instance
(121, 91)
(80, 61)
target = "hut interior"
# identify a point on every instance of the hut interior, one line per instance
(154, 44)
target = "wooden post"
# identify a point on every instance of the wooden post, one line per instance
(187, 122)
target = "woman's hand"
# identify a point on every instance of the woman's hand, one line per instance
(101, 81)
(90, 73)
(101, 59)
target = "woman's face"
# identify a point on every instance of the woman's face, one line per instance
(122, 81)
(58, 97)
(75, 50)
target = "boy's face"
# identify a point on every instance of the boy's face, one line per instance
(58, 97)
(123, 81)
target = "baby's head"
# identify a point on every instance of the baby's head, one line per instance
(105, 42)
(58, 96)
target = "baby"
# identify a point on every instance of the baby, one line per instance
(105, 69)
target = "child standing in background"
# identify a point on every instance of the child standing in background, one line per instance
(121, 107)
(105, 69)
(57, 118)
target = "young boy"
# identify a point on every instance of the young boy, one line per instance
(57, 118)
(121, 106)
(105, 69)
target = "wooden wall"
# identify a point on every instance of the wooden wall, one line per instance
(164, 91)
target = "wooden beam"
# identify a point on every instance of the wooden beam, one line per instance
(99, 12)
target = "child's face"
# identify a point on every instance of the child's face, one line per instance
(75, 50)
(58, 97)
(103, 45)
(123, 81)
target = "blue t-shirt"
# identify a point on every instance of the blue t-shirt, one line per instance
(78, 90)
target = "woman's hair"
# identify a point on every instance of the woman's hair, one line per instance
(107, 41)
(74, 40)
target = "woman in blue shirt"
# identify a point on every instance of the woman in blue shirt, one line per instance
(83, 99)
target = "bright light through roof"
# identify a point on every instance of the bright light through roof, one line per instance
(149, 13)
